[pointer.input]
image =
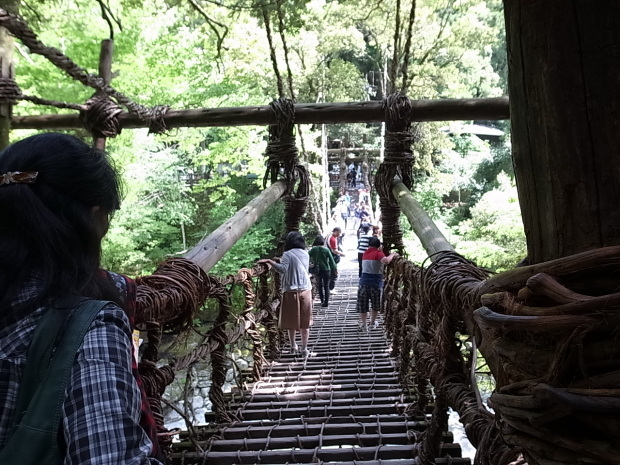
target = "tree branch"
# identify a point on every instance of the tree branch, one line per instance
(213, 24)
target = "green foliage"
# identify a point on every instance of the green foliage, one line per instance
(218, 205)
(486, 175)
(494, 236)
(148, 228)
(194, 179)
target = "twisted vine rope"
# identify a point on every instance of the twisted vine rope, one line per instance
(283, 162)
(557, 394)
(10, 94)
(101, 117)
(398, 162)
(549, 335)
(20, 29)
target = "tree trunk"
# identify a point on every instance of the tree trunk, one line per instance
(7, 45)
(342, 174)
(564, 70)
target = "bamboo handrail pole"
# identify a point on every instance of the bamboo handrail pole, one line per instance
(431, 238)
(207, 253)
(354, 149)
(305, 113)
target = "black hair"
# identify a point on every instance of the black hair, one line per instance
(48, 230)
(319, 240)
(294, 240)
(374, 242)
(365, 227)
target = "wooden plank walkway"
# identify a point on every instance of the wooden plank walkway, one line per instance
(343, 404)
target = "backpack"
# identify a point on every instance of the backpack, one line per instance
(53, 350)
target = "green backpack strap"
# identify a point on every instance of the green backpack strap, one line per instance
(56, 341)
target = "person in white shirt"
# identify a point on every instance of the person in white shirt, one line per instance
(296, 305)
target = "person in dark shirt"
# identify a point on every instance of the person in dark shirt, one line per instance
(324, 261)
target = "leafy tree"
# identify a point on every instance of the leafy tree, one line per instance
(211, 54)
(494, 236)
(222, 204)
(149, 227)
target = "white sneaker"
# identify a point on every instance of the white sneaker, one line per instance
(375, 325)
(294, 349)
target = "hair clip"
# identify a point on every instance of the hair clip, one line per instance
(18, 177)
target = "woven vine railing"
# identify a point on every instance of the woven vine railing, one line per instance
(549, 335)
(168, 301)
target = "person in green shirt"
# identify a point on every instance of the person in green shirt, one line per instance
(324, 262)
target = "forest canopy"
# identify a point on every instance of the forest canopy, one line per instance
(184, 183)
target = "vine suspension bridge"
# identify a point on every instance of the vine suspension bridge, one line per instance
(342, 404)
(547, 331)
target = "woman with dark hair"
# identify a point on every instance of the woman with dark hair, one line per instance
(57, 195)
(296, 307)
(324, 261)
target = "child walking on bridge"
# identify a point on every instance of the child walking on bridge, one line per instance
(371, 282)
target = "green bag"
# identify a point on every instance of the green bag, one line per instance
(57, 338)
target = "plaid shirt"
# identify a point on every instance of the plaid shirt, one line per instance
(102, 409)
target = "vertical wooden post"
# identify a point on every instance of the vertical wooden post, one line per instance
(326, 186)
(342, 177)
(366, 171)
(367, 186)
(105, 72)
(7, 46)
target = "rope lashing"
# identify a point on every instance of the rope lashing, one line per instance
(398, 162)
(296, 204)
(283, 161)
(157, 124)
(281, 152)
(101, 117)
(429, 343)
(9, 91)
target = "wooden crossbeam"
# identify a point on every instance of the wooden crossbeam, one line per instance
(305, 113)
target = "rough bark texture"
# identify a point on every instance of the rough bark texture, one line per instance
(564, 70)
(7, 45)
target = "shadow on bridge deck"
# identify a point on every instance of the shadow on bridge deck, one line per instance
(342, 404)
